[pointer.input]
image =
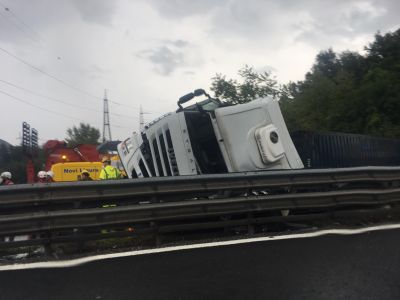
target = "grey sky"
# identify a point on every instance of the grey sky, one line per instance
(152, 52)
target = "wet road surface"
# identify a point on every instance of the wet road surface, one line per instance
(362, 266)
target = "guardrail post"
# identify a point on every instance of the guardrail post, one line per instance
(250, 223)
(157, 237)
(79, 244)
(47, 244)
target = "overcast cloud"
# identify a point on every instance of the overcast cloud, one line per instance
(152, 52)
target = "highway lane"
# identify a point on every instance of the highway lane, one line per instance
(361, 266)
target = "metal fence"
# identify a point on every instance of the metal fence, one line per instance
(340, 150)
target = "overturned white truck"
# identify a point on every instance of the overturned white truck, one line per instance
(211, 137)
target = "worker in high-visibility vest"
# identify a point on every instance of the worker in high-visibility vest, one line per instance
(85, 176)
(108, 171)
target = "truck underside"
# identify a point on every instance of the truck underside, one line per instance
(204, 143)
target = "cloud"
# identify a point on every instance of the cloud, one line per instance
(275, 24)
(179, 43)
(343, 23)
(94, 71)
(268, 69)
(96, 11)
(28, 22)
(182, 8)
(189, 73)
(171, 55)
(20, 21)
(164, 59)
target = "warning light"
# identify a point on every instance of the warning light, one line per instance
(64, 157)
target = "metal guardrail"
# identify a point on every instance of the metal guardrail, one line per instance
(176, 203)
(184, 185)
(135, 214)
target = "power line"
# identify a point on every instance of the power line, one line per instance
(39, 107)
(122, 104)
(11, 12)
(117, 103)
(58, 100)
(6, 8)
(50, 111)
(17, 26)
(133, 107)
(48, 74)
(36, 68)
(59, 80)
(47, 97)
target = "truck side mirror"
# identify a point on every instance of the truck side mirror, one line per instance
(190, 96)
(185, 98)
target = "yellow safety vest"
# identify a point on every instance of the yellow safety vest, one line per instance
(109, 172)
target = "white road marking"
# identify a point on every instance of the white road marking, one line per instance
(83, 260)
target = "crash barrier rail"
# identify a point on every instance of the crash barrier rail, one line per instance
(173, 204)
(181, 187)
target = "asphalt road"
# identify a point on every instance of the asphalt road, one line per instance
(363, 266)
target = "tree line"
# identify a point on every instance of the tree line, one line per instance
(345, 92)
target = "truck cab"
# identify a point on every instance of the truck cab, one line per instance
(210, 137)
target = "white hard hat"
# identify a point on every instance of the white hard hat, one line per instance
(6, 175)
(41, 174)
(50, 174)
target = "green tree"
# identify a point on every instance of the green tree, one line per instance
(84, 134)
(349, 92)
(15, 162)
(346, 92)
(5, 153)
(254, 85)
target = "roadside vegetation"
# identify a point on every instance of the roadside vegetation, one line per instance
(345, 92)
